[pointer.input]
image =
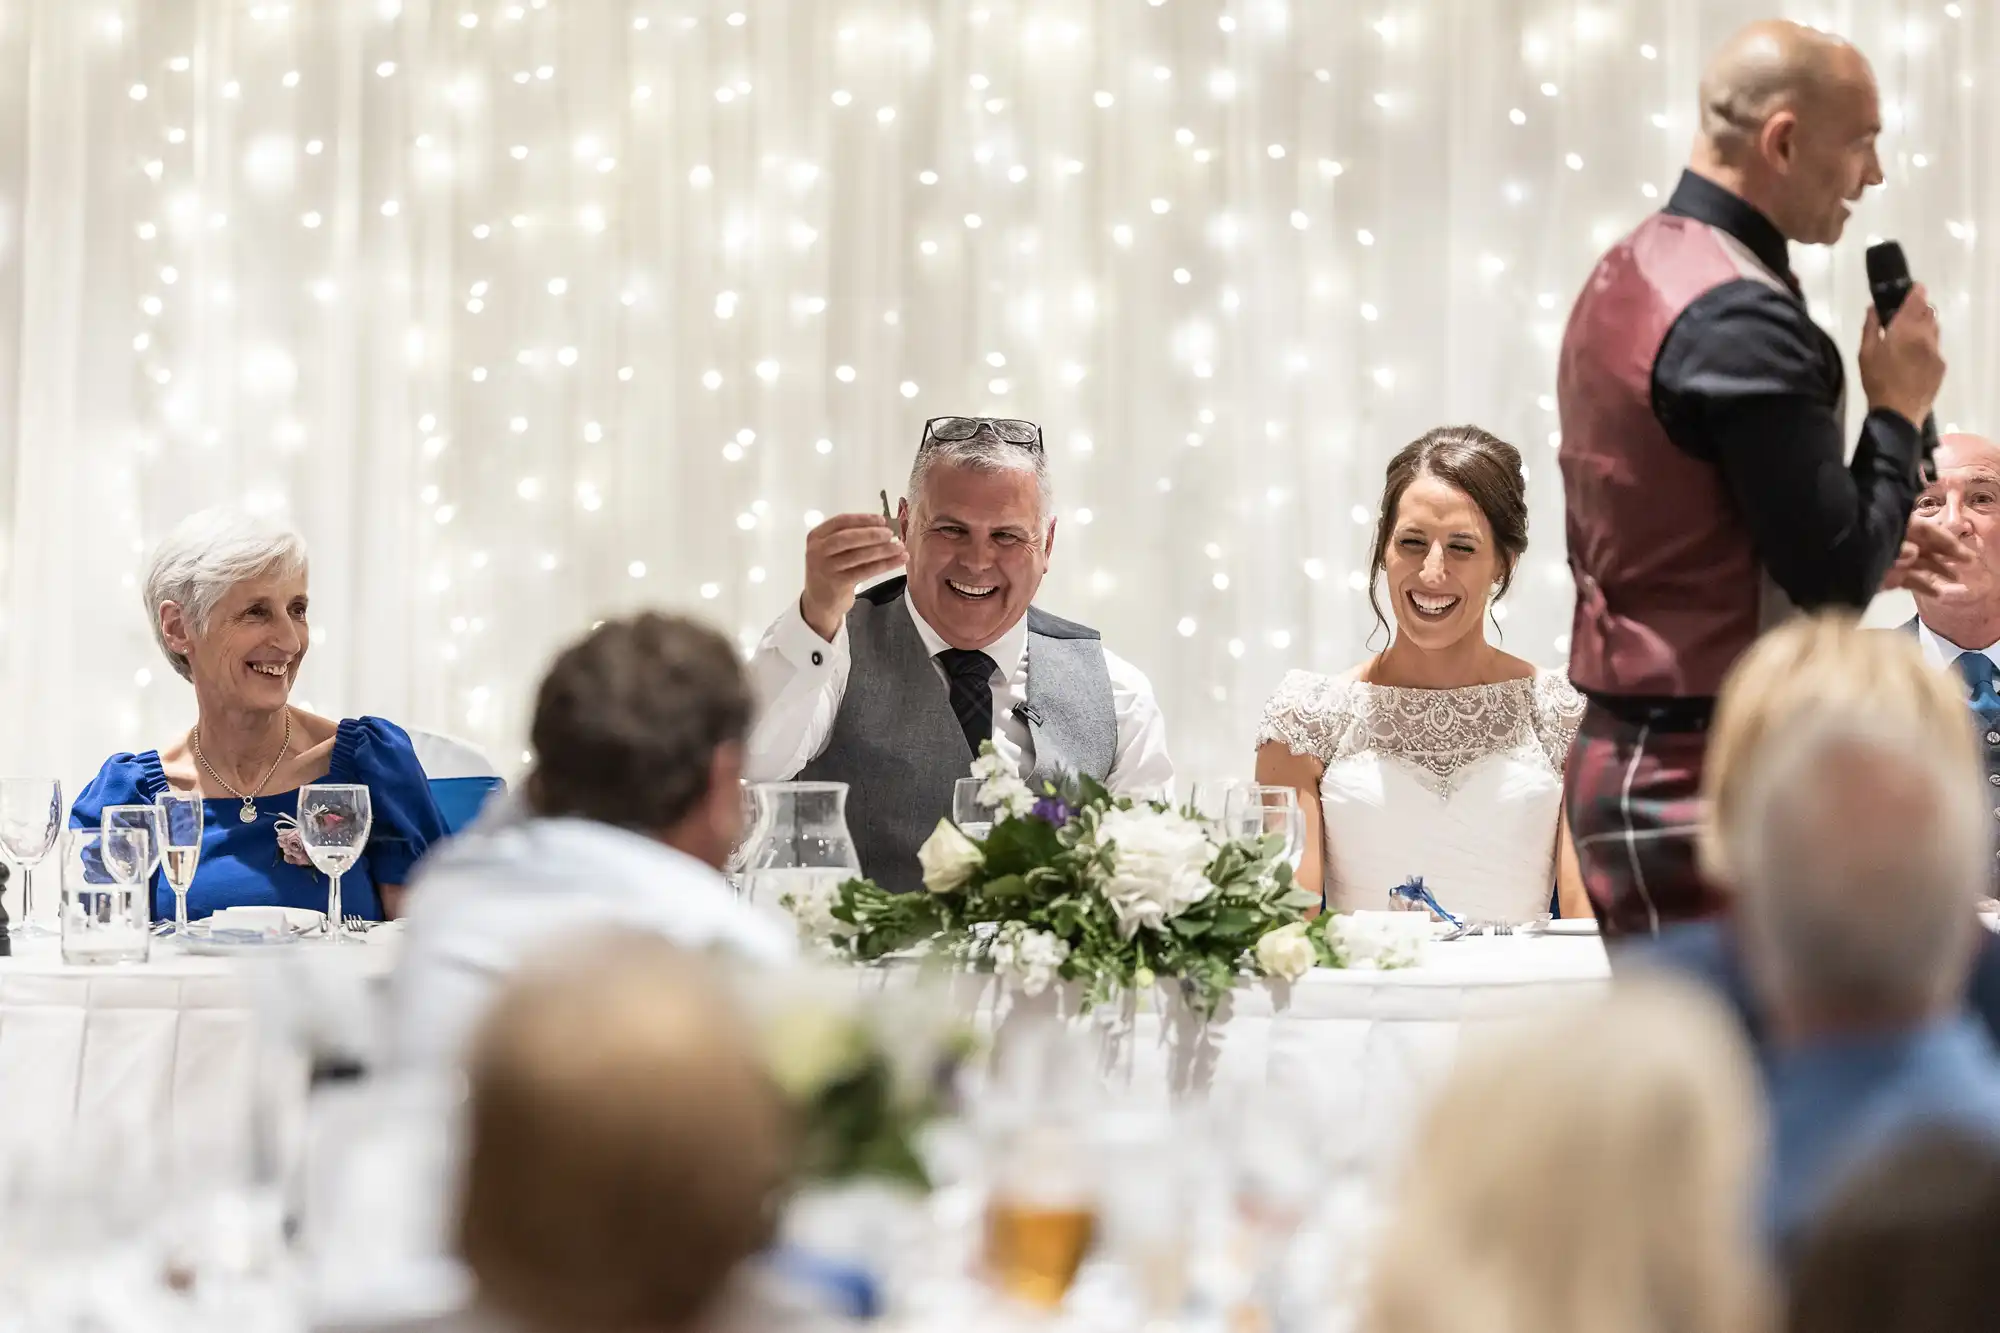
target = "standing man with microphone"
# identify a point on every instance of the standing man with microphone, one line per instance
(1703, 452)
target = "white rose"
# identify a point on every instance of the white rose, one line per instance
(1158, 869)
(948, 858)
(1286, 952)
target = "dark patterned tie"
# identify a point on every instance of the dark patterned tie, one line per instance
(1979, 672)
(970, 673)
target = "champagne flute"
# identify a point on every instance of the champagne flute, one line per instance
(334, 819)
(181, 817)
(31, 815)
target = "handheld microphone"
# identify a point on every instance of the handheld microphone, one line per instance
(1889, 283)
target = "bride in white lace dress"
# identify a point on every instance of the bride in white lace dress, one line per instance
(1441, 756)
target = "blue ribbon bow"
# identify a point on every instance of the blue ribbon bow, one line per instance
(1413, 889)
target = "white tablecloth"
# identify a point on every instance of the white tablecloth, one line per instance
(1366, 1045)
(168, 1047)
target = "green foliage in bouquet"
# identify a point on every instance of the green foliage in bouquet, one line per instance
(1078, 885)
(864, 1076)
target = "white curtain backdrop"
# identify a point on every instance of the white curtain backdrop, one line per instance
(531, 313)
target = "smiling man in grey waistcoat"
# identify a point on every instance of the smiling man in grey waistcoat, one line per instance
(894, 690)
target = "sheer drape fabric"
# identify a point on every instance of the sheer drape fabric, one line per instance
(532, 313)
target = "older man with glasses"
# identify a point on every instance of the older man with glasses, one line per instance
(893, 691)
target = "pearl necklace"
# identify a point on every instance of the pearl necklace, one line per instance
(248, 814)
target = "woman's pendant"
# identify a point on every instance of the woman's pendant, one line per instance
(248, 814)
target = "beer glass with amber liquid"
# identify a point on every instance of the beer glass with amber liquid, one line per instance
(1041, 1214)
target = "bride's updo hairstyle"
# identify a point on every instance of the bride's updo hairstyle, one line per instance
(1475, 461)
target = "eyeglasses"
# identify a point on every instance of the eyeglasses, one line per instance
(951, 430)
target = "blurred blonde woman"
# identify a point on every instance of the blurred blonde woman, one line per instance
(1594, 1175)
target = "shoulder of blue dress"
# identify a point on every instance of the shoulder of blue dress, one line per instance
(368, 741)
(126, 772)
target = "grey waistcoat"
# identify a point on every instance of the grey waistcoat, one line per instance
(899, 748)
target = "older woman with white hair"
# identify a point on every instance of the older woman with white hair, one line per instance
(226, 593)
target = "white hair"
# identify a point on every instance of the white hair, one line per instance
(206, 555)
(984, 452)
(1859, 858)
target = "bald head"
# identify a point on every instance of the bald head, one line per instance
(1768, 67)
(1789, 116)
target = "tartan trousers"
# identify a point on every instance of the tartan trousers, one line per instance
(1631, 791)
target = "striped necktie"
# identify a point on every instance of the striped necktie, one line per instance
(1979, 673)
(970, 673)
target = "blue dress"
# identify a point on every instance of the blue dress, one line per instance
(241, 864)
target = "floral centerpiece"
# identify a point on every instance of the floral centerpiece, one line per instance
(1075, 884)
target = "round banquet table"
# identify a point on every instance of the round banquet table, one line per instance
(1367, 1045)
(168, 1047)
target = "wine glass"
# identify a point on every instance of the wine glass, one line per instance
(181, 816)
(334, 819)
(1263, 811)
(1208, 803)
(974, 817)
(31, 815)
(147, 820)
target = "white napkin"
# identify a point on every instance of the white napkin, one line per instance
(253, 920)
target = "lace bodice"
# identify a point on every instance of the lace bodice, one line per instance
(1462, 787)
(1440, 732)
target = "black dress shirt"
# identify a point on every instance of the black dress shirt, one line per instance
(1747, 381)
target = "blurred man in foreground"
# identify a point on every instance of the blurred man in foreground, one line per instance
(1857, 848)
(625, 1147)
(1822, 666)
(630, 811)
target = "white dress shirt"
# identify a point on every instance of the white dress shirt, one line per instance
(514, 886)
(1942, 652)
(800, 679)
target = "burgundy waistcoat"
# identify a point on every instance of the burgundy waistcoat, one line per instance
(1669, 590)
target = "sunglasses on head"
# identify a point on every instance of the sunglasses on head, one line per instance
(951, 430)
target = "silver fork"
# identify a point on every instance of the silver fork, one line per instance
(360, 925)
